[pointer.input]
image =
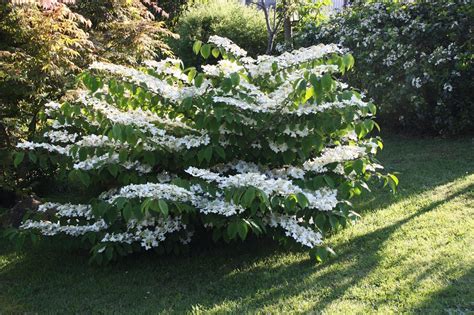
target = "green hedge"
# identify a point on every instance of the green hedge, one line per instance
(245, 25)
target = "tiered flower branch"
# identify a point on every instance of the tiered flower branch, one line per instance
(275, 146)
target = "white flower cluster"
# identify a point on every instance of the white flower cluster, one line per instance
(323, 199)
(227, 45)
(300, 234)
(333, 155)
(51, 107)
(96, 162)
(385, 37)
(28, 145)
(221, 207)
(156, 85)
(155, 191)
(61, 136)
(269, 104)
(49, 228)
(168, 66)
(264, 65)
(67, 210)
(72, 214)
(150, 232)
(196, 196)
(224, 67)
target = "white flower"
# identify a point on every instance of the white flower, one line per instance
(447, 87)
(300, 234)
(228, 45)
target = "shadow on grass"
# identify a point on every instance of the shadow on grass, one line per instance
(361, 263)
(461, 305)
(245, 277)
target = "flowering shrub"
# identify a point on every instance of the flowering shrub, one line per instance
(273, 145)
(415, 59)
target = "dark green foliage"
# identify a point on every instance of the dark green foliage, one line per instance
(414, 59)
(42, 50)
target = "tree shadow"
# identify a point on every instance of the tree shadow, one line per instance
(360, 264)
(461, 304)
(242, 277)
(441, 161)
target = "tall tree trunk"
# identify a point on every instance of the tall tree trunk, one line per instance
(288, 32)
(269, 43)
(287, 26)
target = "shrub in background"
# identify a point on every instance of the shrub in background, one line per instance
(415, 59)
(275, 146)
(245, 25)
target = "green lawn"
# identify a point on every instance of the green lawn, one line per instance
(413, 252)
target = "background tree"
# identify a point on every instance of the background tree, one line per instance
(283, 15)
(45, 44)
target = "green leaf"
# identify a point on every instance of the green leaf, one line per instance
(289, 156)
(191, 74)
(220, 151)
(372, 108)
(321, 254)
(201, 155)
(123, 155)
(208, 154)
(328, 179)
(349, 61)
(163, 207)
(117, 132)
(243, 230)
(359, 167)
(394, 178)
(302, 200)
(109, 253)
(198, 80)
(206, 51)
(226, 85)
(326, 82)
(32, 156)
(197, 47)
(320, 220)
(308, 94)
(19, 156)
(113, 169)
(333, 221)
(248, 197)
(360, 130)
(84, 178)
(93, 84)
(127, 212)
(215, 52)
(233, 229)
(120, 202)
(369, 125)
(150, 204)
(235, 78)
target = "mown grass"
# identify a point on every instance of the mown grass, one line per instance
(412, 252)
